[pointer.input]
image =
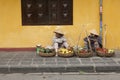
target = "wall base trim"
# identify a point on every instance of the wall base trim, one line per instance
(18, 49)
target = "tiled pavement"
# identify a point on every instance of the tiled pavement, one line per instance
(25, 62)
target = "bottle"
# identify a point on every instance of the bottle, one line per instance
(38, 48)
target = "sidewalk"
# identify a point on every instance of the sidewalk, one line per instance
(29, 62)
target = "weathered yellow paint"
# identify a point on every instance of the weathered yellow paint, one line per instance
(13, 34)
(111, 17)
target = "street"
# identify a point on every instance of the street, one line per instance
(62, 76)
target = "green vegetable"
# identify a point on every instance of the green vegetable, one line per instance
(42, 50)
(47, 50)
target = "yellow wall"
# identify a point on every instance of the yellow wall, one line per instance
(111, 17)
(13, 34)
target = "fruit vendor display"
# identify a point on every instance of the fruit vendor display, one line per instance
(81, 52)
(65, 51)
(111, 51)
(46, 52)
(103, 52)
(62, 52)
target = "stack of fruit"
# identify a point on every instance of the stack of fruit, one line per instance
(62, 52)
(103, 52)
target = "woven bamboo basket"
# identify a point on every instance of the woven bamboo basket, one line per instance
(110, 54)
(70, 54)
(105, 54)
(65, 55)
(84, 55)
(52, 54)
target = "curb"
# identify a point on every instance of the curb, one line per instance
(62, 69)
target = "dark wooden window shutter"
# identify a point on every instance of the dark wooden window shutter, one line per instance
(47, 12)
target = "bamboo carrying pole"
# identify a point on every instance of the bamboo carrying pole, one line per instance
(79, 37)
(105, 31)
(89, 43)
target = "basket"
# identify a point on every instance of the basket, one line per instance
(65, 55)
(47, 54)
(84, 55)
(62, 52)
(110, 54)
(105, 53)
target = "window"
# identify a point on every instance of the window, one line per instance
(47, 12)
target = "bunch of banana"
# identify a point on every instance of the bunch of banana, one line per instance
(111, 51)
(65, 51)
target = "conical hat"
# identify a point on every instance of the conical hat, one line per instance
(59, 32)
(93, 31)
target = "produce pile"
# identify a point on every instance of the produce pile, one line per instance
(63, 52)
(72, 51)
(82, 52)
(103, 52)
(45, 50)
